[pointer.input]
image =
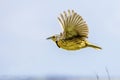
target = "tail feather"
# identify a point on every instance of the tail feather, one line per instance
(94, 46)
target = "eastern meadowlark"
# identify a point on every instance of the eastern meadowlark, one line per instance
(75, 32)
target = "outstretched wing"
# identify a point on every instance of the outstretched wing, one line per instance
(73, 25)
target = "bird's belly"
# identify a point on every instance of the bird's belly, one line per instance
(72, 44)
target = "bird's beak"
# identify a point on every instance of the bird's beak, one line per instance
(49, 38)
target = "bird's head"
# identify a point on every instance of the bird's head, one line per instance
(54, 38)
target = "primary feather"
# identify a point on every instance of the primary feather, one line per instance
(73, 25)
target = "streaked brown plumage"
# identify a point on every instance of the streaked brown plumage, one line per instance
(75, 32)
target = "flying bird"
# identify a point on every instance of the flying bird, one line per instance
(75, 32)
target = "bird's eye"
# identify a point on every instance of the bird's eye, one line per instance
(53, 36)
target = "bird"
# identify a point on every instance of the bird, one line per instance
(75, 32)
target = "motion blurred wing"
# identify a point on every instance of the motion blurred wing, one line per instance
(73, 25)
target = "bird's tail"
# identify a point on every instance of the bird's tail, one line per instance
(93, 46)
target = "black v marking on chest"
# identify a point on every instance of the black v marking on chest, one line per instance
(57, 43)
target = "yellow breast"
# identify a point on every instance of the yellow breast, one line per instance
(72, 44)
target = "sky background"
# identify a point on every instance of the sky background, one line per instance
(25, 25)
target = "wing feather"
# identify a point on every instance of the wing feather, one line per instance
(73, 25)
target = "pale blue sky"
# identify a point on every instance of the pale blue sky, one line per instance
(25, 25)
